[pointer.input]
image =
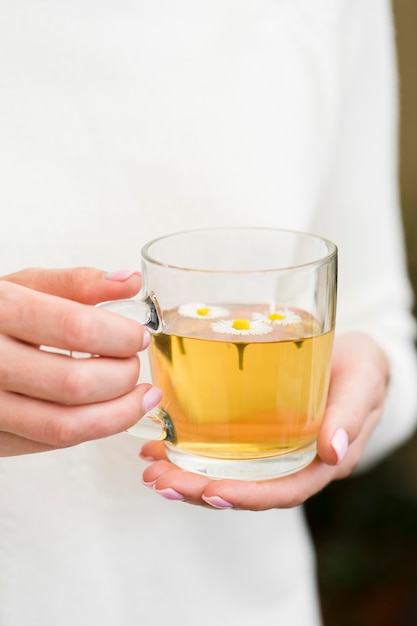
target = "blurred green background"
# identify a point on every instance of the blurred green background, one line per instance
(365, 528)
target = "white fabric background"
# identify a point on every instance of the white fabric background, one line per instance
(121, 121)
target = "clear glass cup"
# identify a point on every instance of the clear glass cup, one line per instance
(242, 323)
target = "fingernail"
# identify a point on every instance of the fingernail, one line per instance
(121, 275)
(148, 483)
(217, 502)
(146, 340)
(151, 398)
(340, 443)
(169, 493)
(147, 458)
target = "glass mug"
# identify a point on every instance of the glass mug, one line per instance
(242, 323)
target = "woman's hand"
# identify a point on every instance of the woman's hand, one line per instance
(50, 400)
(358, 386)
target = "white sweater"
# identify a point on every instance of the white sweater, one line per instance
(123, 120)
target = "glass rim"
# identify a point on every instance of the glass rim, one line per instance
(332, 250)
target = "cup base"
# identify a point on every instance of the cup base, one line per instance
(247, 469)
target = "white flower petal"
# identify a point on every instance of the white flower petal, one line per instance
(201, 311)
(285, 318)
(256, 327)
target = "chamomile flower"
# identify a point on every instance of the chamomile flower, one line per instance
(279, 318)
(241, 327)
(200, 310)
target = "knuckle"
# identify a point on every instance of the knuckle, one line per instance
(69, 435)
(10, 304)
(70, 426)
(78, 280)
(78, 328)
(90, 380)
(73, 383)
(76, 277)
(63, 430)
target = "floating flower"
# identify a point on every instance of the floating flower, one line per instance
(277, 318)
(241, 327)
(200, 310)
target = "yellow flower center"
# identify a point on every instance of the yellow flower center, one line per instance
(276, 316)
(241, 324)
(203, 311)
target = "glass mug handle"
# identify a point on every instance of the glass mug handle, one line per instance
(145, 311)
(156, 424)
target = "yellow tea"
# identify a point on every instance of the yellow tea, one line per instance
(247, 385)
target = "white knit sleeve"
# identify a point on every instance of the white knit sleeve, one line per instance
(359, 210)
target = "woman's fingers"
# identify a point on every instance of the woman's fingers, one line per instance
(289, 491)
(358, 386)
(50, 400)
(83, 284)
(59, 426)
(286, 492)
(60, 378)
(42, 319)
(173, 483)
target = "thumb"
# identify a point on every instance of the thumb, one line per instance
(83, 284)
(358, 383)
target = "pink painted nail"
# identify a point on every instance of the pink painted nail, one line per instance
(146, 340)
(340, 444)
(147, 458)
(121, 275)
(217, 502)
(169, 493)
(151, 398)
(148, 483)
